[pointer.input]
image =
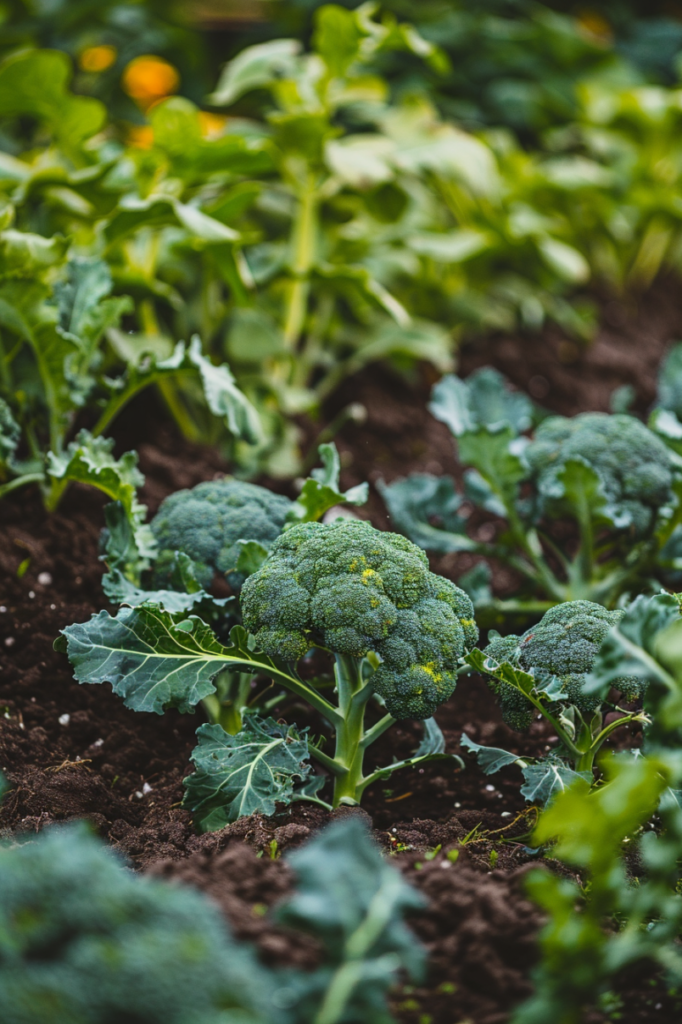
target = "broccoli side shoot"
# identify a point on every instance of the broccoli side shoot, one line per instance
(207, 521)
(85, 941)
(545, 670)
(356, 591)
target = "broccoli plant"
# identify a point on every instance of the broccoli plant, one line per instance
(362, 599)
(545, 672)
(85, 941)
(221, 527)
(608, 479)
(598, 930)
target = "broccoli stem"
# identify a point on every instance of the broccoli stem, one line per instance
(349, 754)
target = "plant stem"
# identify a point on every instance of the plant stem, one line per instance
(21, 481)
(350, 751)
(304, 244)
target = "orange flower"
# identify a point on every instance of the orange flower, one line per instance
(141, 136)
(97, 58)
(148, 79)
(595, 27)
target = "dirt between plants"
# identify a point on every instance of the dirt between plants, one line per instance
(72, 751)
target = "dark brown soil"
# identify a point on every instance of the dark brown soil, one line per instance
(75, 751)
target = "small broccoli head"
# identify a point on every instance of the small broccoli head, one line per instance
(355, 590)
(563, 644)
(83, 939)
(633, 464)
(207, 521)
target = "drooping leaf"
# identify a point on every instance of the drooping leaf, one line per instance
(424, 508)
(224, 397)
(321, 491)
(490, 759)
(353, 902)
(433, 741)
(545, 779)
(522, 681)
(120, 590)
(244, 774)
(89, 460)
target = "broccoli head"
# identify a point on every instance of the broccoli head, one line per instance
(633, 464)
(206, 523)
(85, 941)
(355, 590)
(563, 644)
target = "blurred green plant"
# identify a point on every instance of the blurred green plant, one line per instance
(624, 839)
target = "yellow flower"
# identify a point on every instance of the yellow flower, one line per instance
(212, 125)
(97, 58)
(595, 27)
(148, 79)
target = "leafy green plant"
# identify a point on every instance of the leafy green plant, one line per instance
(615, 480)
(94, 942)
(366, 599)
(545, 672)
(598, 931)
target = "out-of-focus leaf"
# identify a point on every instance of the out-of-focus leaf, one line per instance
(424, 508)
(483, 399)
(84, 311)
(670, 382)
(10, 434)
(247, 773)
(565, 260)
(353, 901)
(451, 246)
(361, 160)
(251, 556)
(224, 397)
(253, 336)
(34, 82)
(254, 68)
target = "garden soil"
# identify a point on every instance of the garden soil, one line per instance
(74, 751)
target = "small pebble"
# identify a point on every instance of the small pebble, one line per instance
(146, 788)
(44, 579)
(458, 804)
(394, 830)
(446, 864)
(490, 789)
(31, 594)
(64, 719)
(9, 641)
(53, 606)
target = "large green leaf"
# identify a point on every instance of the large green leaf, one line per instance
(244, 774)
(35, 82)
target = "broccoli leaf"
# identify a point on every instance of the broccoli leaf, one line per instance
(670, 382)
(84, 311)
(433, 741)
(483, 399)
(489, 450)
(246, 773)
(547, 778)
(353, 901)
(9, 434)
(224, 397)
(320, 492)
(89, 460)
(579, 485)
(627, 648)
(156, 660)
(490, 759)
(251, 556)
(119, 590)
(522, 681)
(418, 499)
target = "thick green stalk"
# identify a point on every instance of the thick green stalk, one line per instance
(225, 706)
(350, 732)
(304, 244)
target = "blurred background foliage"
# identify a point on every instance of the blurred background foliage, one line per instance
(310, 191)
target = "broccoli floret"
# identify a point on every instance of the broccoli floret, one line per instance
(207, 521)
(85, 941)
(633, 464)
(355, 590)
(563, 644)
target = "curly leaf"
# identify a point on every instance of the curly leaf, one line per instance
(522, 681)
(246, 773)
(321, 491)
